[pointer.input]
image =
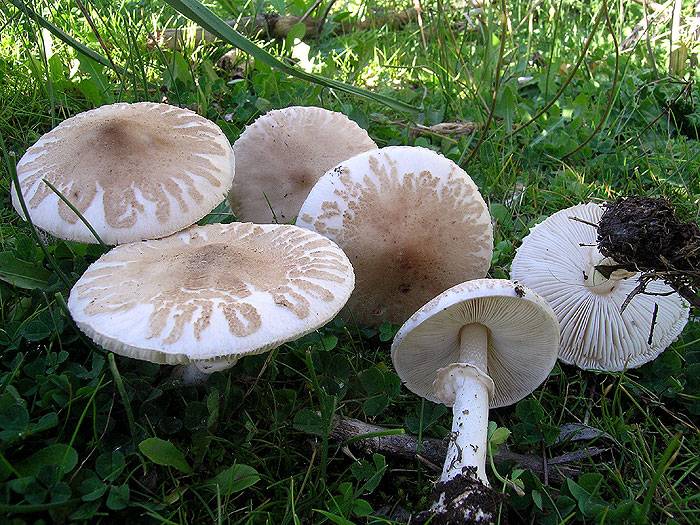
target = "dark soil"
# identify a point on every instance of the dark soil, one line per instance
(644, 234)
(466, 501)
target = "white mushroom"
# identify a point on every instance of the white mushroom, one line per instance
(484, 343)
(412, 223)
(212, 294)
(558, 260)
(134, 171)
(281, 156)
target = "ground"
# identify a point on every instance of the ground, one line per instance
(90, 437)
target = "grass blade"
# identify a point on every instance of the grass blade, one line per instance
(62, 35)
(203, 16)
(666, 459)
(12, 169)
(122, 392)
(77, 212)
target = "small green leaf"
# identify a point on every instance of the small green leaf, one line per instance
(387, 331)
(86, 511)
(163, 452)
(26, 249)
(213, 408)
(233, 479)
(361, 508)
(375, 405)
(626, 512)
(372, 380)
(118, 498)
(296, 32)
(58, 454)
(506, 106)
(310, 422)
(96, 87)
(537, 499)
(338, 520)
(499, 436)
(42, 325)
(13, 413)
(589, 503)
(502, 215)
(369, 472)
(221, 214)
(23, 274)
(92, 488)
(329, 342)
(109, 465)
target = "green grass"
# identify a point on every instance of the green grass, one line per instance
(73, 420)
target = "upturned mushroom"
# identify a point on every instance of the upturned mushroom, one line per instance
(281, 156)
(133, 171)
(412, 222)
(558, 260)
(211, 294)
(482, 344)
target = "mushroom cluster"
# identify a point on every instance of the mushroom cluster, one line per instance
(139, 176)
(399, 234)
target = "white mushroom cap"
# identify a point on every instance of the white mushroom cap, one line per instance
(211, 292)
(557, 260)
(412, 222)
(523, 337)
(281, 156)
(134, 171)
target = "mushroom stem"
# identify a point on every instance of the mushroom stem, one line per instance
(197, 372)
(467, 387)
(193, 375)
(601, 284)
(473, 345)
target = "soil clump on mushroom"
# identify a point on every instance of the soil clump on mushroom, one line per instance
(644, 234)
(463, 499)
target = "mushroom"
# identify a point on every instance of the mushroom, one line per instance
(481, 344)
(600, 328)
(211, 294)
(412, 223)
(281, 156)
(134, 171)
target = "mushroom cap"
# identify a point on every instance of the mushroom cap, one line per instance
(211, 292)
(412, 223)
(523, 337)
(557, 260)
(281, 156)
(134, 171)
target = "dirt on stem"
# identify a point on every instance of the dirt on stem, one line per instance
(462, 500)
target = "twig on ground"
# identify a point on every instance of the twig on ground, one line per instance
(405, 446)
(278, 26)
(660, 16)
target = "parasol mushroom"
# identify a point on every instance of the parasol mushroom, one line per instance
(412, 222)
(211, 294)
(604, 324)
(481, 344)
(134, 171)
(281, 156)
